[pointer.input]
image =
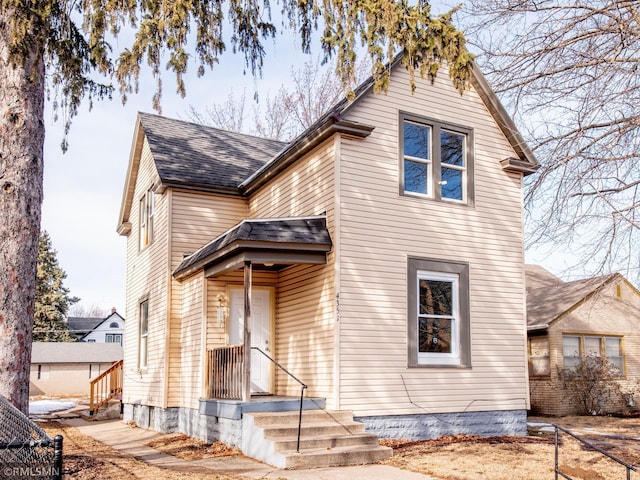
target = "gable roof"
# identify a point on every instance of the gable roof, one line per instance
(201, 157)
(538, 277)
(526, 162)
(75, 352)
(81, 326)
(209, 159)
(549, 302)
(265, 238)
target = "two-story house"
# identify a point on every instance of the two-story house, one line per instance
(109, 329)
(378, 258)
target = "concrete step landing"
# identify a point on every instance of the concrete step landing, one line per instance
(328, 439)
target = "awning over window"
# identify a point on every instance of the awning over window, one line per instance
(269, 244)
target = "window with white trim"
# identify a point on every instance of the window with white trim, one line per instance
(143, 346)
(436, 160)
(438, 313)
(113, 338)
(146, 213)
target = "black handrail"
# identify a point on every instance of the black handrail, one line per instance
(301, 391)
(590, 445)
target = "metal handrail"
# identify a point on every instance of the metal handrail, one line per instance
(590, 445)
(302, 389)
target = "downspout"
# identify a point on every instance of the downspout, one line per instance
(527, 402)
(204, 329)
(246, 374)
(167, 333)
(336, 268)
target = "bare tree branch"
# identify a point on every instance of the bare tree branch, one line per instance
(569, 71)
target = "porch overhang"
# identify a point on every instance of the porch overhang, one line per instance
(267, 244)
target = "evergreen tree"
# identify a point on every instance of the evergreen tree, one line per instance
(66, 49)
(52, 301)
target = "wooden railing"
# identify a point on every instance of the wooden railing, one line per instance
(224, 372)
(105, 387)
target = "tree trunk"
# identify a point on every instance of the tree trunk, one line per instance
(21, 170)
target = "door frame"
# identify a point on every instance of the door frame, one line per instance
(272, 323)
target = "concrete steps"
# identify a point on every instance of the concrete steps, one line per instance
(327, 438)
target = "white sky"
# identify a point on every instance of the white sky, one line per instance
(83, 188)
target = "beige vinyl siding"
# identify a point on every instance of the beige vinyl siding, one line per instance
(185, 352)
(305, 299)
(196, 219)
(602, 314)
(147, 277)
(219, 286)
(380, 229)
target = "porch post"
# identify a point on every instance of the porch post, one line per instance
(246, 374)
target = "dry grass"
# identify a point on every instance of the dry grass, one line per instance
(189, 448)
(85, 458)
(530, 458)
(461, 457)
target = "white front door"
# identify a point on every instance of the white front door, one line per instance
(260, 333)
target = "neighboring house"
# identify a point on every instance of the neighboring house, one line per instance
(567, 321)
(98, 330)
(66, 368)
(378, 256)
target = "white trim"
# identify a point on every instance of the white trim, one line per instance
(452, 358)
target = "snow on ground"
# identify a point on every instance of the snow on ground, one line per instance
(43, 407)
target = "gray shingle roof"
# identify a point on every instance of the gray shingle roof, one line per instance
(548, 302)
(200, 156)
(303, 230)
(80, 326)
(75, 352)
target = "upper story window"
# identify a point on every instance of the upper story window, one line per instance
(437, 160)
(438, 313)
(113, 338)
(114, 325)
(146, 218)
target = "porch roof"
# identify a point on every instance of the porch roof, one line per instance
(272, 243)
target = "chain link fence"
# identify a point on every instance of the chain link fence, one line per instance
(26, 451)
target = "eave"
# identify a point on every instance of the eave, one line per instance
(306, 142)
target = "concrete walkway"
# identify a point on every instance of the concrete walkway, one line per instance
(131, 440)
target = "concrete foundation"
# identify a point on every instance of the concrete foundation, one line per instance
(426, 426)
(210, 428)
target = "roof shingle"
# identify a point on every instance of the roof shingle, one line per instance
(203, 157)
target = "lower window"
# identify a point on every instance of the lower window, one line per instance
(438, 313)
(576, 348)
(143, 335)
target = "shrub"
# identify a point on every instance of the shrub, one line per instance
(591, 384)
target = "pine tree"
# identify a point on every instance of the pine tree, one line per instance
(66, 49)
(52, 301)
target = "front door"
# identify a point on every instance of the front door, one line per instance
(260, 333)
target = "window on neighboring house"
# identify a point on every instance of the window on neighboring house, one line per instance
(539, 364)
(438, 313)
(146, 218)
(43, 372)
(113, 338)
(437, 160)
(577, 347)
(114, 325)
(143, 350)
